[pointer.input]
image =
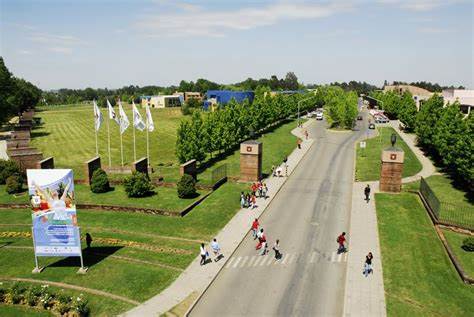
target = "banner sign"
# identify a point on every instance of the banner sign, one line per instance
(55, 230)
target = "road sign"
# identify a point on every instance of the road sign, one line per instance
(362, 144)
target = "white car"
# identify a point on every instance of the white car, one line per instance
(319, 116)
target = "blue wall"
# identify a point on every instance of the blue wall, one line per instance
(224, 96)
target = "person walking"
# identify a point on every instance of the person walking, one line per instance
(247, 199)
(254, 201)
(216, 249)
(298, 142)
(204, 254)
(259, 188)
(367, 193)
(253, 188)
(242, 200)
(265, 190)
(306, 134)
(260, 239)
(341, 239)
(368, 264)
(276, 248)
(255, 225)
(88, 240)
(273, 170)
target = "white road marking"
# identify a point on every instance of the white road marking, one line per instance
(339, 257)
(263, 260)
(271, 260)
(229, 263)
(245, 258)
(251, 261)
(333, 256)
(259, 257)
(285, 258)
(313, 255)
(345, 257)
(237, 262)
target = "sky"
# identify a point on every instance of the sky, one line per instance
(102, 43)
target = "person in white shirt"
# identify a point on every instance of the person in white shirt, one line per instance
(203, 254)
(216, 249)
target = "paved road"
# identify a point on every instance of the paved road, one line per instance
(311, 209)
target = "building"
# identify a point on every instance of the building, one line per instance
(419, 94)
(464, 96)
(189, 95)
(161, 101)
(222, 97)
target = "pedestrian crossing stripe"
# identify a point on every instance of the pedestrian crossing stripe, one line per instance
(287, 259)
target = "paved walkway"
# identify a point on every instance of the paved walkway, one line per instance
(365, 296)
(197, 278)
(3, 150)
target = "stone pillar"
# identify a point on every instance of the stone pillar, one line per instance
(47, 163)
(251, 161)
(89, 168)
(188, 168)
(140, 165)
(391, 171)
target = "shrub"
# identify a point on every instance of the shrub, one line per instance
(32, 295)
(99, 182)
(468, 244)
(15, 294)
(186, 186)
(14, 184)
(7, 169)
(138, 185)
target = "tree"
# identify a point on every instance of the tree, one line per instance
(407, 111)
(7, 86)
(426, 120)
(291, 81)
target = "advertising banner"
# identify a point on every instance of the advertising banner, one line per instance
(55, 230)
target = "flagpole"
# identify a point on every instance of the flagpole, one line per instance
(147, 143)
(108, 138)
(121, 147)
(134, 145)
(96, 117)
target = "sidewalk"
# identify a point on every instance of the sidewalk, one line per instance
(197, 278)
(365, 296)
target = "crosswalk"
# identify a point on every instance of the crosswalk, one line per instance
(251, 261)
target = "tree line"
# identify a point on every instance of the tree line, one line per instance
(433, 87)
(16, 94)
(443, 131)
(340, 106)
(207, 133)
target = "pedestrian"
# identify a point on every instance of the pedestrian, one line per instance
(253, 188)
(367, 192)
(264, 247)
(368, 264)
(88, 240)
(260, 239)
(273, 170)
(216, 249)
(340, 241)
(306, 134)
(254, 201)
(255, 225)
(265, 190)
(204, 254)
(285, 160)
(298, 142)
(242, 200)
(276, 248)
(279, 171)
(247, 198)
(259, 188)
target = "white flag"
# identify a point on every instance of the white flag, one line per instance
(112, 114)
(123, 121)
(97, 117)
(149, 119)
(137, 118)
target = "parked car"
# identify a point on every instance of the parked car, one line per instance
(380, 119)
(372, 126)
(319, 116)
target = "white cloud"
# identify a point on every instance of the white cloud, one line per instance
(24, 52)
(432, 30)
(194, 21)
(60, 49)
(65, 40)
(418, 5)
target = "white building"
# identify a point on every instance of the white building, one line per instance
(161, 101)
(464, 96)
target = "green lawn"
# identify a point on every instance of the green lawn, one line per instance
(121, 239)
(67, 134)
(466, 258)
(368, 160)
(419, 279)
(456, 205)
(22, 311)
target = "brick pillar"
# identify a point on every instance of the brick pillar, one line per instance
(251, 161)
(391, 170)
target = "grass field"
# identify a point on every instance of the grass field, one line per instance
(466, 258)
(368, 160)
(419, 279)
(133, 255)
(165, 198)
(67, 134)
(457, 204)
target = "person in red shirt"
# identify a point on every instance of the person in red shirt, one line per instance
(253, 188)
(255, 225)
(341, 240)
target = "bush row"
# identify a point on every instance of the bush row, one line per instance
(44, 298)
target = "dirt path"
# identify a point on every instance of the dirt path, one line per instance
(74, 287)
